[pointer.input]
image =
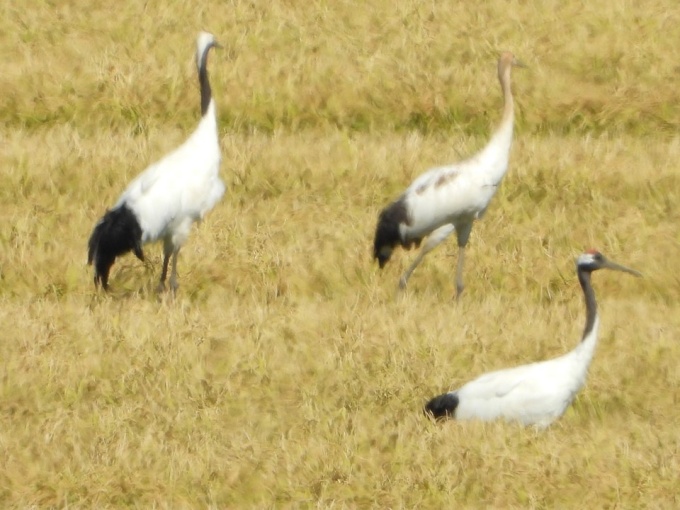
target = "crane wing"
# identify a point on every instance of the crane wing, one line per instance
(498, 384)
(176, 188)
(147, 179)
(529, 393)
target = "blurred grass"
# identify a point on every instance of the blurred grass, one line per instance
(356, 67)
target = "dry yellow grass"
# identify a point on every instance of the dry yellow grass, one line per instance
(286, 372)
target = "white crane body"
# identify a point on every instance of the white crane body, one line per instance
(447, 195)
(537, 393)
(169, 196)
(533, 394)
(178, 190)
(449, 198)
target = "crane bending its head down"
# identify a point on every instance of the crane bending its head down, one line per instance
(449, 198)
(537, 393)
(163, 201)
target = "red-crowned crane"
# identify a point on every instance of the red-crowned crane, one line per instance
(538, 393)
(165, 200)
(449, 198)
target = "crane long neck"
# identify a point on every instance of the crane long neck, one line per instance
(508, 117)
(206, 92)
(591, 303)
(497, 150)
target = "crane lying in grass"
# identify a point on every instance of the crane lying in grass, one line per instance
(169, 196)
(449, 198)
(538, 393)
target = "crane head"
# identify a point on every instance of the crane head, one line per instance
(592, 260)
(388, 230)
(383, 255)
(507, 61)
(204, 42)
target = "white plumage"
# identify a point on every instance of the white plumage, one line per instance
(164, 201)
(538, 393)
(449, 198)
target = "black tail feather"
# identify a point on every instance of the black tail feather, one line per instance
(443, 406)
(387, 233)
(117, 233)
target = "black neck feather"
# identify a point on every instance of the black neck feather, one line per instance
(206, 92)
(591, 304)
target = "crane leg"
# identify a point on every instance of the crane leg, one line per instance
(459, 272)
(463, 233)
(173, 276)
(167, 251)
(437, 237)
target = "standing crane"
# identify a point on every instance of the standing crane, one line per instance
(449, 198)
(537, 393)
(165, 200)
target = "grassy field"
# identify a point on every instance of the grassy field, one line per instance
(288, 372)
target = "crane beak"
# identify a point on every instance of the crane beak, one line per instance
(618, 267)
(217, 46)
(519, 63)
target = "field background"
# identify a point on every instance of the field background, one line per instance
(288, 371)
